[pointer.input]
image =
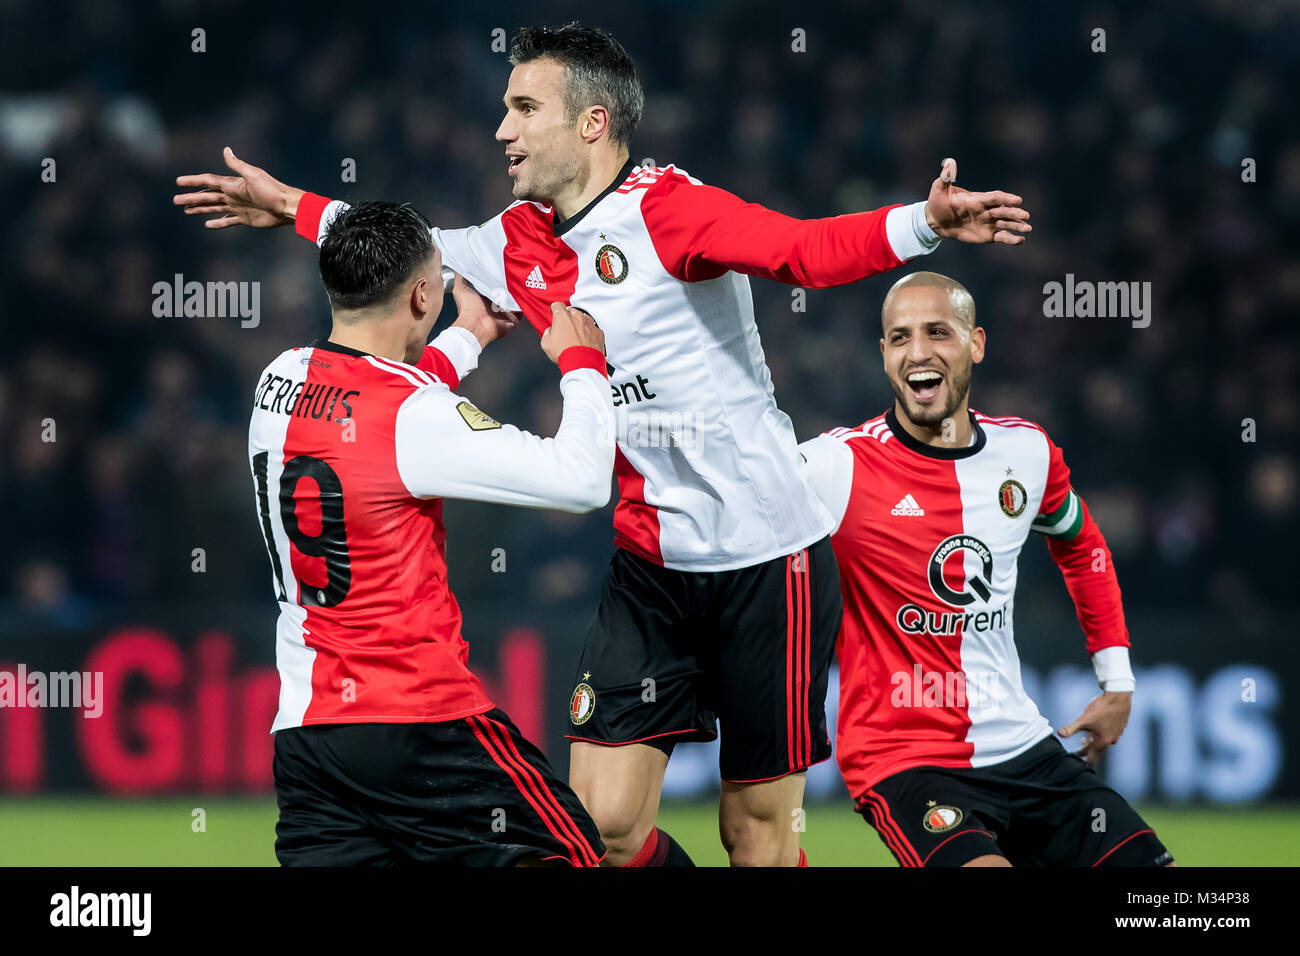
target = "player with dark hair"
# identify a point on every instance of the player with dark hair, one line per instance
(387, 749)
(721, 601)
(942, 749)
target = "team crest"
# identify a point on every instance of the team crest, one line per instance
(940, 819)
(1012, 497)
(477, 421)
(582, 704)
(611, 264)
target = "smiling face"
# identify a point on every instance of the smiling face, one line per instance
(543, 148)
(928, 350)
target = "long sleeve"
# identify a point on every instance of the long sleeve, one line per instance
(829, 471)
(451, 355)
(700, 232)
(475, 252)
(1079, 550)
(447, 448)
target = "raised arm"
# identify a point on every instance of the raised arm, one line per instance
(447, 448)
(701, 232)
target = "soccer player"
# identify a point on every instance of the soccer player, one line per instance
(941, 748)
(721, 601)
(387, 749)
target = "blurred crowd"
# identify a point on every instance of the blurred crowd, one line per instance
(122, 434)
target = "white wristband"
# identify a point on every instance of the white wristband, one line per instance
(908, 233)
(1113, 670)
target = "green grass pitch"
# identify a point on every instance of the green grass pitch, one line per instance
(241, 832)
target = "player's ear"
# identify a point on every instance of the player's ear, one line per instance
(419, 298)
(594, 121)
(977, 343)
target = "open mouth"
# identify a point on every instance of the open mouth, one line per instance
(924, 384)
(514, 163)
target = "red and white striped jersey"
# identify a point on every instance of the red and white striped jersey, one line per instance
(351, 457)
(708, 467)
(927, 541)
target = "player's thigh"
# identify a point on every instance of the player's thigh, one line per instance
(638, 678)
(777, 625)
(930, 816)
(1065, 815)
(476, 792)
(317, 823)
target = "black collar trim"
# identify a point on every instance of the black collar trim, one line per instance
(930, 451)
(329, 346)
(562, 227)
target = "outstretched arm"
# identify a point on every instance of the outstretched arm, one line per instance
(701, 232)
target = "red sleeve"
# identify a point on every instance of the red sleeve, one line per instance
(701, 232)
(1058, 481)
(433, 360)
(1089, 573)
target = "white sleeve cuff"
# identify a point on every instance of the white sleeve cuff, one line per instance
(327, 217)
(461, 347)
(1114, 673)
(908, 233)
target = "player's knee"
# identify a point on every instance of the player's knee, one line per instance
(756, 841)
(619, 818)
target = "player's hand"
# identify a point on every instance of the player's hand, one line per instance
(570, 327)
(252, 197)
(479, 314)
(1103, 720)
(960, 214)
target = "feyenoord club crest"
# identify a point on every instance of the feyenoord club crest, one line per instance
(938, 819)
(1012, 497)
(582, 704)
(611, 264)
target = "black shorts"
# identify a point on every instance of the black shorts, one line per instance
(468, 792)
(1046, 807)
(670, 653)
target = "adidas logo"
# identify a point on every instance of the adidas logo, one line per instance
(535, 280)
(908, 507)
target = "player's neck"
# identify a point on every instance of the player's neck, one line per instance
(953, 432)
(378, 338)
(605, 166)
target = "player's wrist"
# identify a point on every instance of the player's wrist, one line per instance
(289, 202)
(582, 356)
(1114, 670)
(908, 232)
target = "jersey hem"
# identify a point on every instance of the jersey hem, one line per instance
(722, 564)
(390, 718)
(943, 763)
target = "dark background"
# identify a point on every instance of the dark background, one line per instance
(1130, 161)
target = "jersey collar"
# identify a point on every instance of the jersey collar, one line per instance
(929, 451)
(564, 226)
(329, 346)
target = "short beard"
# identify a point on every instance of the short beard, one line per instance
(547, 180)
(957, 392)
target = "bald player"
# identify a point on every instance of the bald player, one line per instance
(941, 748)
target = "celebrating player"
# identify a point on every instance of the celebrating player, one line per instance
(387, 748)
(942, 749)
(722, 599)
